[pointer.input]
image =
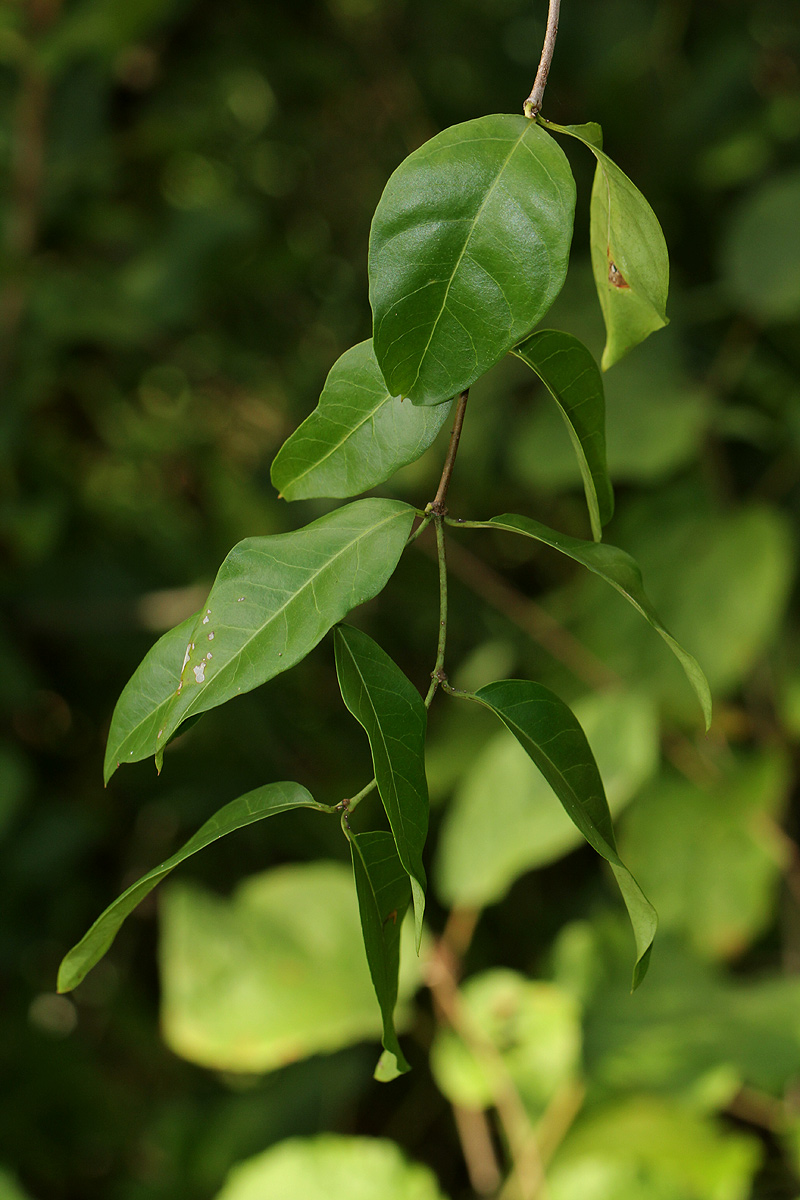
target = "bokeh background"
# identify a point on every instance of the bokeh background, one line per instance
(187, 187)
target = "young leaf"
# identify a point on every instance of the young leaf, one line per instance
(384, 894)
(272, 601)
(570, 374)
(551, 736)
(357, 436)
(622, 572)
(394, 717)
(629, 255)
(468, 250)
(253, 806)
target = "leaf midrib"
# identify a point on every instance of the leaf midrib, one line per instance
(351, 433)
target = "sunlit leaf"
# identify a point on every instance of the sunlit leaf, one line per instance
(391, 711)
(550, 734)
(468, 250)
(629, 254)
(356, 437)
(254, 806)
(570, 374)
(621, 571)
(384, 894)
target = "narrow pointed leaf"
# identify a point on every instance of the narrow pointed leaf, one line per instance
(550, 734)
(384, 894)
(629, 255)
(571, 376)
(357, 436)
(468, 250)
(394, 717)
(254, 806)
(623, 573)
(274, 599)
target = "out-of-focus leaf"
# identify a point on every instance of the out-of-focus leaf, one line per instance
(622, 572)
(550, 735)
(272, 601)
(468, 250)
(254, 806)
(570, 374)
(534, 1030)
(646, 1149)
(629, 255)
(394, 717)
(331, 1168)
(761, 251)
(9, 1188)
(711, 858)
(275, 974)
(357, 436)
(493, 834)
(384, 894)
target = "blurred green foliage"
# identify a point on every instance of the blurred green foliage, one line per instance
(187, 190)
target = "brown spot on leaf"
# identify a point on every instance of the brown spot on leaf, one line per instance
(615, 276)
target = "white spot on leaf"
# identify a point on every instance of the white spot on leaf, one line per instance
(211, 637)
(200, 672)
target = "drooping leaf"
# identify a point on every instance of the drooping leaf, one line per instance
(271, 974)
(394, 717)
(571, 376)
(551, 736)
(331, 1167)
(253, 806)
(273, 599)
(468, 250)
(629, 255)
(384, 894)
(357, 436)
(140, 710)
(622, 572)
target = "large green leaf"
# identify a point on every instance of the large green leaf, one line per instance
(391, 711)
(617, 568)
(253, 806)
(629, 254)
(570, 374)
(468, 250)
(271, 974)
(551, 736)
(272, 601)
(357, 436)
(384, 894)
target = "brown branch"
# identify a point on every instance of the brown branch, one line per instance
(439, 504)
(533, 104)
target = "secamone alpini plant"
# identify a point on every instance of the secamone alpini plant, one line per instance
(468, 250)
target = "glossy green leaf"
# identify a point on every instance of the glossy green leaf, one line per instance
(394, 717)
(271, 974)
(551, 736)
(571, 376)
(629, 255)
(357, 436)
(384, 894)
(330, 1167)
(468, 250)
(253, 806)
(273, 599)
(621, 571)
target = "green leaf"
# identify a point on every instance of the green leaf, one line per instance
(629, 255)
(384, 894)
(358, 435)
(253, 806)
(394, 717)
(272, 601)
(622, 572)
(551, 736)
(468, 250)
(570, 374)
(331, 1167)
(761, 250)
(274, 973)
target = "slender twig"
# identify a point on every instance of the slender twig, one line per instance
(353, 802)
(437, 674)
(439, 505)
(533, 104)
